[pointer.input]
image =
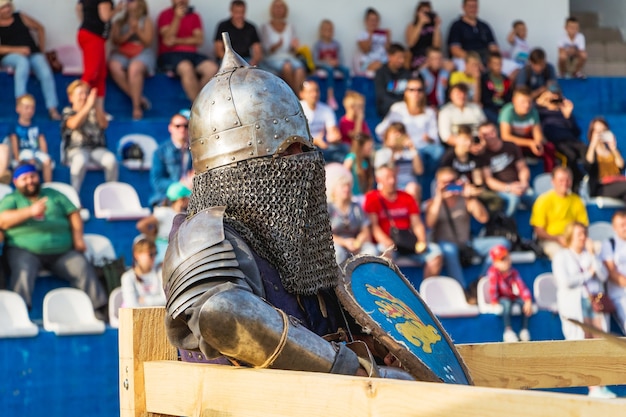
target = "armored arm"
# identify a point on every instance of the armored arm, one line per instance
(215, 304)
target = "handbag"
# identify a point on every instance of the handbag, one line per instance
(602, 303)
(404, 239)
(53, 61)
(130, 49)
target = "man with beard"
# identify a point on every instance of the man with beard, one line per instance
(43, 230)
(250, 271)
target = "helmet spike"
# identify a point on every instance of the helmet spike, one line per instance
(231, 58)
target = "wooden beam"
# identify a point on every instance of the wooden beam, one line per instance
(141, 338)
(212, 390)
(545, 364)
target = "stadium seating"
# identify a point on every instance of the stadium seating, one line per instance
(71, 194)
(446, 298)
(14, 321)
(118, 201)
(544, 288)
(69, 311)
(100, 250)
(115, 302)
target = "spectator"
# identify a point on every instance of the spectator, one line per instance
(519, 46)
(435, 78)
(82, 135)
(469, 33)
(579, 275)
(95, 17)
(142, 285)
(470, 76)
(20, 51)
(359, 163)
(43, 230)
(353, 123)
(348, 221)
(423, 33)
(280, 43)
(420, 123)
(504, 170)
(171, 161)
(506, 288)
(28, 143)
(389, 208)
(244, 37)
(449, 214)
(373, 43)
(537, 74)
(458, 112)
(180, 35)
(612, 254)
(322, 123)
(572, 53)
(328, 58)
(132, 57)
(554, 210)
(399, 151)
(520, 124)
(560, 128)
(495, 88)
(390, 80)
(468, 167)
(5, 171)
(157, 226)
(604, 162)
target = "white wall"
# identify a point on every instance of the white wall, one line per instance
(544, 17)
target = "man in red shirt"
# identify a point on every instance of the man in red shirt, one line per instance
(180, 35)
(388, 205)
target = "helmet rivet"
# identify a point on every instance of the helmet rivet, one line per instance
(232, 158)
(257, 126)
(236, 123)
(275, 121)
(228, 98)
(214, 129)
(286, 119)
(217, 136)
(202, 142)
(267, 150)
(251, 153)
(249, 143)
(259, 142)
(280, 149)
(275, 136)
(213, 102)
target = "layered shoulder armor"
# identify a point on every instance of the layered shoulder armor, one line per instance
(198, 255)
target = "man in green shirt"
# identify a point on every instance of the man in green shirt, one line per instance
(43, 230)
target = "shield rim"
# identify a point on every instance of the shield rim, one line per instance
(412, 363)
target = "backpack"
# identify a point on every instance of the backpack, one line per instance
(503, 226)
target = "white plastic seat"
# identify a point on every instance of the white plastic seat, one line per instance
(99, 249)
(69, 311)
(4, 190)
(446, 298)
(600, 231)
(115, 302)
(118, 201)
(14, 320)
(542, 183)
(485, 306)
(72, 59)
(600, 202)
(147, 144)
(544, 288)
(71, 194)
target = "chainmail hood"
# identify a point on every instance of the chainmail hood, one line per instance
(278, 205)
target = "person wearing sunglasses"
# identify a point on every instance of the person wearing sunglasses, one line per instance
(420, 122)
(141, 284)
(171, 161)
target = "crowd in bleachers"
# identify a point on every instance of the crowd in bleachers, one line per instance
(455, 137)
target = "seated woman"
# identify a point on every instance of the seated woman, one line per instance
(280, 42)
(82, 135)
(19, 51)
(604, 162)
(132, 57)
(373, 43)
(349, 223)
(142, 285)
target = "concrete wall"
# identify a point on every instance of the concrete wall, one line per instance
(611, 13)
(544, 17)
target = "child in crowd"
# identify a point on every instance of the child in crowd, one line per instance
(517, 39)
(142, 284)
(399, 151)
(27, 142)
(572, 53)
(157, 226)
(327, 57)
(506, 288)
(496, 89)
(352, 123)
(359, 163)
(373, 43)
(435, 78)
(469, 76)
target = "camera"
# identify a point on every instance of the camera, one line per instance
(431, 16)
(557, 100)
(607, 136)
(455, 188)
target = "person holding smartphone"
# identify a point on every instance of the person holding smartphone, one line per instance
(604, 162)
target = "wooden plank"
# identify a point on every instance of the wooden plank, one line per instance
(545, 364)
(212, 390)
(141, 338)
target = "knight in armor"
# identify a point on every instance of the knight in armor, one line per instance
(250, 271)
